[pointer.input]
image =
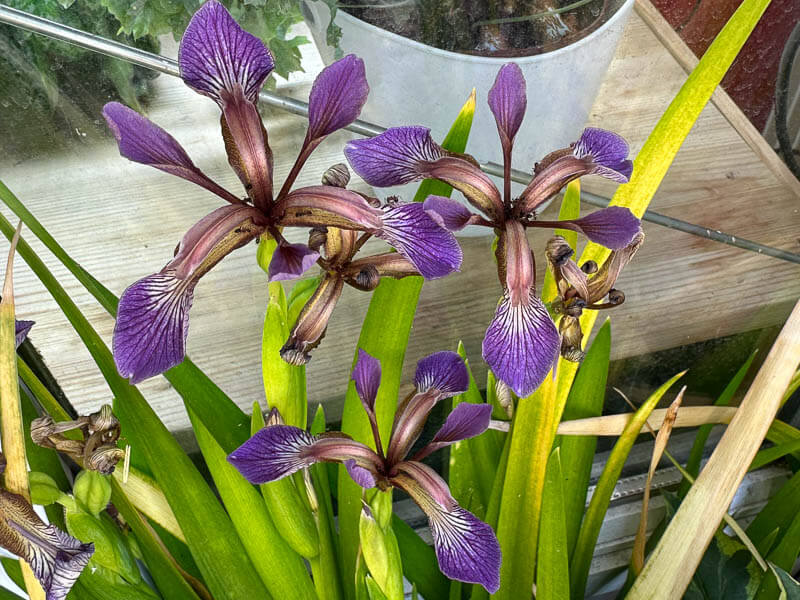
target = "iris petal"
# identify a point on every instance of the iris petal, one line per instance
(521, 344)
(367, 377)
(360, 475)
(337, 96)
(507, 100)
(280, 450)
(152, 325)
(608, 152)
(142, 141)
(466, 547)
(217, 55)
(450, 214)
(393, 157)
(55, 557)
(613, 227)
(153, 313)
(21, 329)
(290, 261)
(442, 373)
(464, 421)
(410, 230)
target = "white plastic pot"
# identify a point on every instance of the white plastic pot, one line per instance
(415, 84)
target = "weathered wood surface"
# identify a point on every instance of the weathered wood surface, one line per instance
(122, 221)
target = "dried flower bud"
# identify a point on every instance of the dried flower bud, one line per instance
(504, 398)
(295, 356)
(273, 418)
(558, 251)
(571, 337)
(616, 297)
(317, 237)
(589, 267)
(104, 459)
(337, 176)
(367, 279)
(41, 430)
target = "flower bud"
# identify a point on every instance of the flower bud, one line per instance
(92, 491)
(381, 554)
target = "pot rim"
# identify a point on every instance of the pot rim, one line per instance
(620, 13)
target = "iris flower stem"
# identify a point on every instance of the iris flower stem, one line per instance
(13, 434)
(308, 147)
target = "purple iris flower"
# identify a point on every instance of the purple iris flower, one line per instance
(466, 548)
(522, 342)
(220, 60)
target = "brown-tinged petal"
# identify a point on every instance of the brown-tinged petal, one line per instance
(312, 321)
(153, 313)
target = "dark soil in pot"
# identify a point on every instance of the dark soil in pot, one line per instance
(501, 28)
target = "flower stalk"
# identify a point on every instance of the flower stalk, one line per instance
(13, 436)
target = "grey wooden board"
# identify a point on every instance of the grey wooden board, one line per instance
(122, 221)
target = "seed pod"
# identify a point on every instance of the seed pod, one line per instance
(337, 176)
(92, 491)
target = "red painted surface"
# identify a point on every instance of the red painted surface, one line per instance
(751, 79)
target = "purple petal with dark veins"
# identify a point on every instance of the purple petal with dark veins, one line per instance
(410, 230)
(613, 227)
(442, 372)
(290, 261)
(466, 547)
(152, 325)
(21, 329)
(217, 55)
(450, 214)
(153, 313)
(360, 475)
(521, 344)
(607, 150)
(272, 453)
(367, 376)
(142, 141)
(56, 558)
(464, 421)
(337, 96)
(280, 450)
(393, 157)
(507, 100)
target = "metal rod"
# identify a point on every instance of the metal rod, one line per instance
(156, 62)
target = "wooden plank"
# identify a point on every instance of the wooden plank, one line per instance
(122, 221)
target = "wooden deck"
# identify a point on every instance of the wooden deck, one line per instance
(122, 221)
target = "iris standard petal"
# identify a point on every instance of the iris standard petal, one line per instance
(367, 377)
(613, 227)
(21, 329)
(442, 374)
(410, 230)
(450, 214)
(468, 179)
(55, 557)
(142, 141)
(521, 344)
(280, 450)
(607, 151)
(466, 547)
(466, 420)
(217, 55)
(508, 101)
(393, 157)
(290, 261)
(337, 96)
(153, 313)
